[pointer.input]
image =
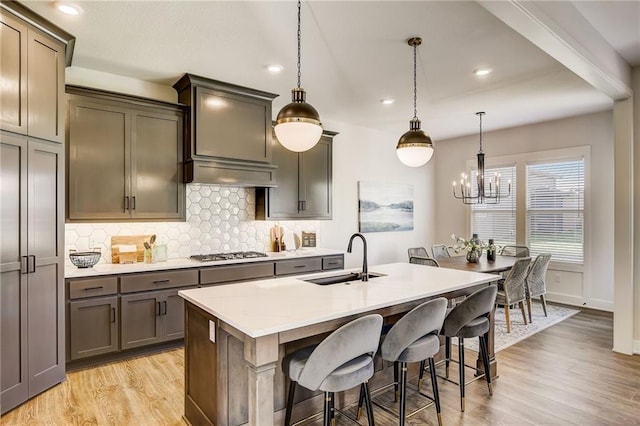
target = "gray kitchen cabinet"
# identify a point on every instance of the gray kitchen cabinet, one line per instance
(33, 63)
(229, 132)
(124, 158)
(32, 267)
(234, 273)
(304, 184)
(93, 327)
(151, 317)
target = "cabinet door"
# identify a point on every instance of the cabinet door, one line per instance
(157, 186)
(98, 161)
(140, 319)
(173, 315)
(13, 288)
(45, 79)
(232, 126)
(93, 327)
(13, 69)
(282, 202)
(46, 267)
(316, 181)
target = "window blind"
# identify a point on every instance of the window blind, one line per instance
(555, 210)
(496, 221)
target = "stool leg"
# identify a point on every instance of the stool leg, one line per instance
(507, 317)
(367, 401)
(403, 391)
(524, 315)
(396, 367)
(484, 354)
(447, 355)
(420, 375)
(544, 304)
(461, 368)
(529, 309)
(292, 391)
(333, 408)
(434, 385)
(327, 409)
(360, 401)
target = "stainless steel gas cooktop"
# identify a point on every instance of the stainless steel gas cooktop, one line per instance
(227, 256)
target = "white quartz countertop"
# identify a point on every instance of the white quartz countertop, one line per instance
(260, 308)
(115, 269)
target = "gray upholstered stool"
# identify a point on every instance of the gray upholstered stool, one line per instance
(414, 338)
(343, 360)
(470, 318)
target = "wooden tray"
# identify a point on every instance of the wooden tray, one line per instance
(138, 240)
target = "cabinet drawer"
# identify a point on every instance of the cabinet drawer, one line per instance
(93, 287)
(157, 281)
(245, 271)
(332, 262)
(298, 266)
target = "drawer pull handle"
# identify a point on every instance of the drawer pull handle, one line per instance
(157, 308)
(300, 266)
(164, 303)
(93, 288)
(31, 264)
(162, 281)
(113, 314)
(332, 263)
(133, 203)
(24, 268)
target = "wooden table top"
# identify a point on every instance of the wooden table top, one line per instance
(502, 263)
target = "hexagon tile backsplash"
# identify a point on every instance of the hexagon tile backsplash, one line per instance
(219, 219)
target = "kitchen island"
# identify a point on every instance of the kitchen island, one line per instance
(236, 335)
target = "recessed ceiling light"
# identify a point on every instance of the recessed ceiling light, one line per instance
(482, 71)
(387, 101)
(274, 68)
(68, 8)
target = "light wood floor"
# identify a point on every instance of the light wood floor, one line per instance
(565, 375)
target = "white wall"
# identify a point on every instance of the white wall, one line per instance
(595, 288)
(636, 130)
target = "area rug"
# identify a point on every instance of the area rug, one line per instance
(519, 331)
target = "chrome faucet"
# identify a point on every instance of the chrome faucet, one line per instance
(365, 273)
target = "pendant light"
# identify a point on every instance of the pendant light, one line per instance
(482, 194)
(298, 126)
(414, 148)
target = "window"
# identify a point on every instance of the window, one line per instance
(555, 210)
(496, 221)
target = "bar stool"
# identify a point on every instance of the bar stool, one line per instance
(414, 338)
(343, 360)
(470, 318)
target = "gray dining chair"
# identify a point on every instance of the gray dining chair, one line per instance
(514, 289)
(535, 281)
(424, 261)
(418, 252)
(343, 360)
(470, 318)
(440, 251)
(515, 251)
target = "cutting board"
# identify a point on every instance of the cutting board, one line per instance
(138, 240)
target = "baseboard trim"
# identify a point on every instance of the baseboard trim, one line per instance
(581, 302)
(636, 347)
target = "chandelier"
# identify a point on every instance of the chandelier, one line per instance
(486, 191)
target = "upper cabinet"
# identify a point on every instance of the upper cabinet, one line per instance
(32, 67)
(304, 183)
(229, 133)
(124, 158)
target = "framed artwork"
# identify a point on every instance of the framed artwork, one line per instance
(385, 207)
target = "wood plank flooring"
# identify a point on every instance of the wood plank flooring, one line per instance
(565, 375)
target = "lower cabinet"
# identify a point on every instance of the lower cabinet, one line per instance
(151, 317)
(93, 327)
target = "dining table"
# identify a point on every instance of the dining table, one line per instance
(500, 264)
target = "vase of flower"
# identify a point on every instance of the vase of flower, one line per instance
(473, 246)
(473, 255)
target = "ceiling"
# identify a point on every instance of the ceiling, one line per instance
(354, 53)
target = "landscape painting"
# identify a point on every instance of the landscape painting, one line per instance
(385, 207)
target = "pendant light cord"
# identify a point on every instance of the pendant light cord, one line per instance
(415, 84)
(480, 114)
(299, 36)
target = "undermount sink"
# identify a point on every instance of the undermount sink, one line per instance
(342, 278)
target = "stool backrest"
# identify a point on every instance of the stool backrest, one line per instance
(440, 251)
(418, 252)
(356, 338)
(536, 276)
(424, 261)
(514, 283)
(515, 251)
(422, 320)
(477, 304)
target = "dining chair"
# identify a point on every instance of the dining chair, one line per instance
(414, 338)
(514, 289)
(470, 318)
(440, 251)
(424, 261)
(418, 252)
(535, 281)
(515, 251)
(343, 360)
